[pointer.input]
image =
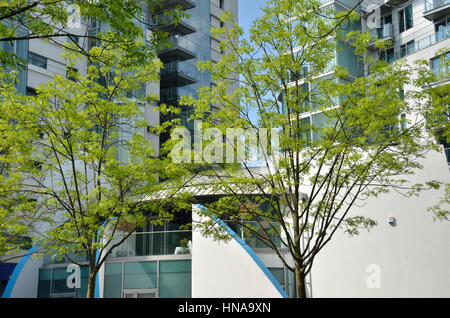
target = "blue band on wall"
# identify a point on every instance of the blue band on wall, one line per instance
(16, 273)
(248, 249)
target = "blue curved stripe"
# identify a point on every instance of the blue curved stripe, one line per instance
(97, 280)
(16, 273)
(248, 249)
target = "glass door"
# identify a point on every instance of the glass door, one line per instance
(139, 293)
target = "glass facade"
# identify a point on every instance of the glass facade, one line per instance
(313, 119)
(20, 49)
(286, 279)
(152, 240)
(164, 278)
(53, 283)
(199, 43)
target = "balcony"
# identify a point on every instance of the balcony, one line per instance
(177, 74)
(179, 48)
(167, 24)
(168, 4)
(395, 3)
(386, 32)
(153, 243)
(435, 9)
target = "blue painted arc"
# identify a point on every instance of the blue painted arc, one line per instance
(248, 249)
(16, 273)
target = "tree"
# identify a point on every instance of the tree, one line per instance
(77, 153)
(342, 136)
(118, 23)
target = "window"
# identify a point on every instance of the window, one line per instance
(31, 91)
(37, 60)
(70, 73)
(407, 48)
(387, 55)
(442, 29)
(439, 65)
(215, 45)
(386, 20)
(403, 122)
(215, 22)
(405, 18)
(74, 38)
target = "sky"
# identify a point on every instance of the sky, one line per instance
(249, 10)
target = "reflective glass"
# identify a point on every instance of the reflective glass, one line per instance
(175, 279)
(140, 275)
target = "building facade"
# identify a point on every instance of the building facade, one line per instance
(406, 255)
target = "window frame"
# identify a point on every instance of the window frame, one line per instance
(34, 58)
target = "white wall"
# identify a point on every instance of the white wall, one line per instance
(26, 285)
(413, 257)
(226, 270)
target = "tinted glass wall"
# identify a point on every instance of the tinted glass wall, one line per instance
(168, 279)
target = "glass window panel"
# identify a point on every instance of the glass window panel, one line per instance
(84, 277)
(319, 122)
(59, 281)
(410, 47)
(140, 275)
(37, 60)
(44, 283)
(113, 280)
(401, 21)
(290, 284)
(175, 279)
(278, 273)
(408, 17)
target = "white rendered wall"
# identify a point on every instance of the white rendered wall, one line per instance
(226, 270)
(26, 285)
(413, 257)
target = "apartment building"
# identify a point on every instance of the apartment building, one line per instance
(405, 255)
(152, 262)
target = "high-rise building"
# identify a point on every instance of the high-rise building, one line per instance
(153, 262)
(404, 256)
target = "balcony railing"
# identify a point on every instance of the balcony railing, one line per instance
(152, 243)
(185, 4)
(423, 43)
(166, 23)
(51, 260)
(383, 33)
(179, 47)
(435, 4)
(435, 9)
(178, 67)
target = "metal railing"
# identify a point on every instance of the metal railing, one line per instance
(384, 32)
(434, 4)
(180, 41)
(161, 19)
(152, 243)
(179, 67)
(423, 43)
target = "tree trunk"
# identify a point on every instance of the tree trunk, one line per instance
(300, 280)
(91, 284)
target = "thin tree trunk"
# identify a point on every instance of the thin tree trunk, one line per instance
(91, 284)
(300, 280)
